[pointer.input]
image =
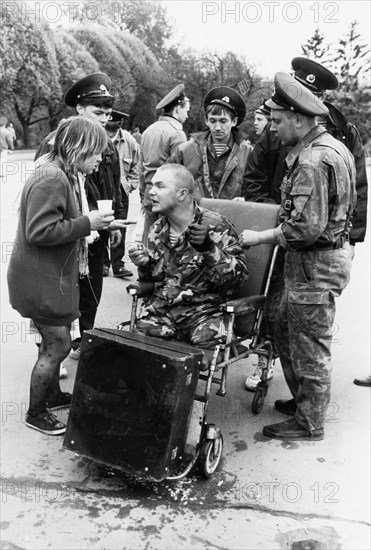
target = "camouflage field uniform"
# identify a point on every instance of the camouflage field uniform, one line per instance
(318, 197)
(190, 285)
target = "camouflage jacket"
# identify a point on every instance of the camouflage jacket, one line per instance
(186, 279)
(265, 167)
(318, 192)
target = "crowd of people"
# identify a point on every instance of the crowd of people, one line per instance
(308, 158)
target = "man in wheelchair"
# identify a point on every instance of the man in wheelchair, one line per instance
(193, 260)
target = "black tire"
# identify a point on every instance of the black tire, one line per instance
(258, 401)
(208, 462)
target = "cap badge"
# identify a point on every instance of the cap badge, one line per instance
(311, 78)
(103, 88)
(226, 99)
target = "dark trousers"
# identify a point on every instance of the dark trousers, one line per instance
(117, 254)
(118, 251)
(91, 287)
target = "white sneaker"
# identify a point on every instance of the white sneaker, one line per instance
(75, 354)
(62, 372)
(254, 378)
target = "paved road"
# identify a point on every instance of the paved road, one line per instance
(267, 494)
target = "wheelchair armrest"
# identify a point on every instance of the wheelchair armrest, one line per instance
(245, 305)
(142, 289)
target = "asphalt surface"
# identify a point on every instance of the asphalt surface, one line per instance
(267, 494)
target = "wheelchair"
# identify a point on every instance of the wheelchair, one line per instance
(150, 378)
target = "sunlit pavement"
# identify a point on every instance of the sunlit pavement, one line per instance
(267, 494)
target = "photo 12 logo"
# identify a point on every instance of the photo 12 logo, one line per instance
(84, 12)
(269, 12)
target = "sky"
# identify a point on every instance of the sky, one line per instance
(268, 33)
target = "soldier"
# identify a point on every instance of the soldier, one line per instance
(264, 174)
(158, 143)
(261, 118)
(128, 151)
(91, 98)
(318, 197)
(194, 260)
(217, 157)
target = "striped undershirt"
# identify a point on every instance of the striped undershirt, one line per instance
(220, 148)
(173, 238)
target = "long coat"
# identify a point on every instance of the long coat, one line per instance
(43, 273)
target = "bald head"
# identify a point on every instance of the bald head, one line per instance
(172, 190)
(180, 175)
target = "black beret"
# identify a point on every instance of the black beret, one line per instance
(291, 95)
(93, 86)
(313, 75)
(175, 96)
(227, 97)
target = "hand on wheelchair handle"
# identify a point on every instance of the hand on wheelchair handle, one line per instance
(199, 237)
(249, 238)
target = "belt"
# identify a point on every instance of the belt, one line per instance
(339, 243)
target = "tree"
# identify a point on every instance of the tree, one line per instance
(133, 69)
(350, 62)
(145, 19)
(202, 72)
(316, 48)
(30, 74)
(147, 74)
(149, 23)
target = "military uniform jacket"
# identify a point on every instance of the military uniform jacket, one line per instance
(264, 169)
(158, 143)
(348, 134)
(193, 155)
(187, 280)
(318, 192)
(128, 152)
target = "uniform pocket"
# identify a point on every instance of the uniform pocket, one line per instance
(312, 298)
(311, 312)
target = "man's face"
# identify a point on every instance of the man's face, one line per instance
(182, 112)
(260, 122)
(285, 127)
(164, 192)
(220, 126)
(112, 129)
(99, 114)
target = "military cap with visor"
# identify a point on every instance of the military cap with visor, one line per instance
(227, 97)
(263, 109)
(313, 76)
(291, 95)
(116, 117)
(173, 98)
(93, 86)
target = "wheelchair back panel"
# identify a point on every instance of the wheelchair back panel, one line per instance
(255, 216)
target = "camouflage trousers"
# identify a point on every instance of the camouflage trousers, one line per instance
(201, 330)
(305, 327)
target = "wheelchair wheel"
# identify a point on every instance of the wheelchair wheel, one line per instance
(210, 455)
(258, 401)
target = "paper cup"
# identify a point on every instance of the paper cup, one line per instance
(104, 206)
